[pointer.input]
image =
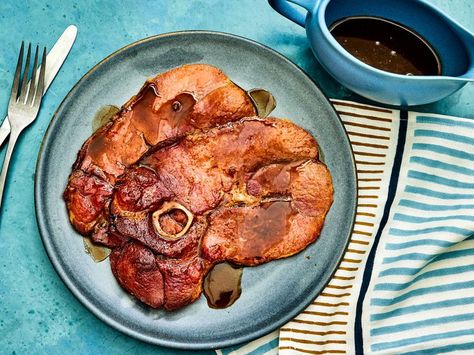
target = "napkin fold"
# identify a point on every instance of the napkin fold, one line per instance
(406, 281)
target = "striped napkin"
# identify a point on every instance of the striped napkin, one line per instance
(406, 281)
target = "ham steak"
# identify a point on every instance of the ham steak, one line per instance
(255, 191)
(181, 100)
(185, 176)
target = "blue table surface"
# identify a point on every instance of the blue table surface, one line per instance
(37, 312)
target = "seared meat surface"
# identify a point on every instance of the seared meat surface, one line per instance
(181, 100)
(159, 282)
(136, 269)
(257, 233)
(255, 189)
(185, 177)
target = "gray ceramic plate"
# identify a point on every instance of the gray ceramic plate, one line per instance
(272, 293)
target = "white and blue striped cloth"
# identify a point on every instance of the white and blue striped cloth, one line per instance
(406, 282)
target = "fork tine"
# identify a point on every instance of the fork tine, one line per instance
(24, 84)
(40, 88)
(16, 80)
(32, 89)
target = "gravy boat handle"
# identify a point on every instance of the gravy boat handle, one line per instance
(291, 12)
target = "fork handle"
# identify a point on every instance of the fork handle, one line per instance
(6, 162)
(4, 130)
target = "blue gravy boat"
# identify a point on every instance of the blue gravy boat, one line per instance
(452, 42)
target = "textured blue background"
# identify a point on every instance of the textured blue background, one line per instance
(37, 312)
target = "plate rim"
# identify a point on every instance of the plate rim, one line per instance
(103, 316)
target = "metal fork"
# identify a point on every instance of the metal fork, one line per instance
(25, 101)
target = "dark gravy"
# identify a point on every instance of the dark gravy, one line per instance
(222, 285)
(97, 252)
(386, 45)
(263, 101)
